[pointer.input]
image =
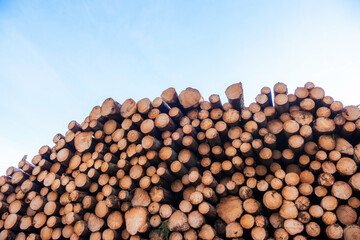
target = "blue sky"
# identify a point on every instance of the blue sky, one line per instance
(58, 59)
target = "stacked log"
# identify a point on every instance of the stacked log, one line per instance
(181, 167)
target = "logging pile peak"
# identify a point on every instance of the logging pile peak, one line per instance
(182, 167)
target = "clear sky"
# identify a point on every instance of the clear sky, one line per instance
(58, 59)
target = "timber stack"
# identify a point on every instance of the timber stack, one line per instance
(181, 167)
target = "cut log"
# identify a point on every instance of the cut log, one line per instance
(272, 200)
(170, 96)
(115, 220)
(343, 146)
(136, 220)
(94, 223)
(84, 141)
(141, 198)
(351, 113)
(178, 222)
(293, 226)
(234, 93)
(190, 98)
(352, 232)
(324, 125)
(128, 108)
(110, 108)
(229, 209)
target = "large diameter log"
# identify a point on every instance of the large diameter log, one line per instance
(272, 200)
(229, 209)
(115, 220)
(324, 125)
(159, 194)
(136, 220)
(190, 98)
(346, 166)
(7, 235)
(334, 231)
(302, 117)
(346, 214)
(110, 108)
(94, 223)
(81, 228)
(343, 146)
(82, 181)
(234, 93)
(341, 190)
(84, 141)
(352, 232)
(293, 226)
(178, 222)
(128, 108)
(207, 232)
(101, 209)
(12, 222)
(234, 230)
(351, 113)
(170, 96)
(141, 198)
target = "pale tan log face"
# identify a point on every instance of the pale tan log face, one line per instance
(183, 167)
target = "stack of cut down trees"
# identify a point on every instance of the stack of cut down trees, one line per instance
(182, 167)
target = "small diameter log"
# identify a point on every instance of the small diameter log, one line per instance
(215, 101)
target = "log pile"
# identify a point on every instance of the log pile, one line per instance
(181, 167)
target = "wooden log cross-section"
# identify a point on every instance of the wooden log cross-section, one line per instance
(180, 167)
